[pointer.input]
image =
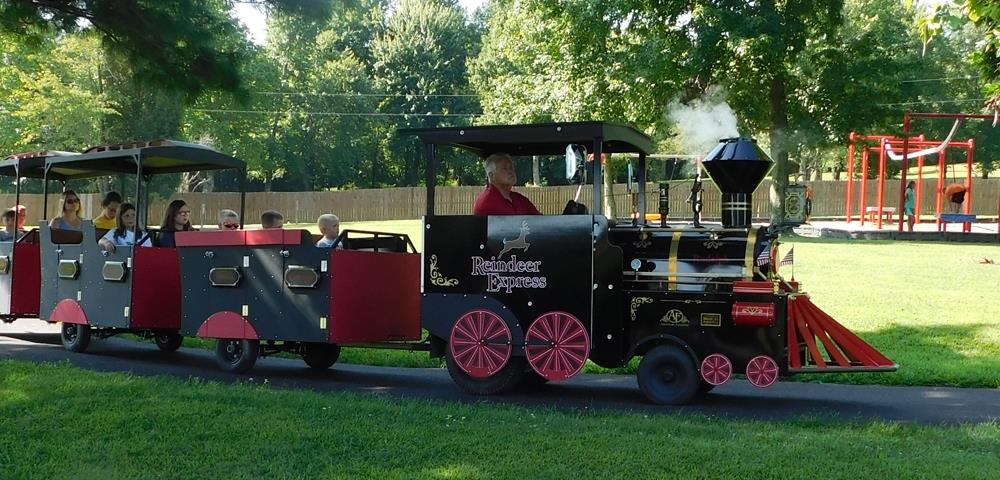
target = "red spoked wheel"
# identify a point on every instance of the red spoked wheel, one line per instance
(480, 343)
(762, 371)
(557, 345)
(716, 369)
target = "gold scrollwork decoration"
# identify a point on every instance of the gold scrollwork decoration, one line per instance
(712, 244)
(753, 310)
(636, 302)
(643, 241)
(437, 278)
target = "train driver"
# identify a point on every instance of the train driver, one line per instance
(498, 197)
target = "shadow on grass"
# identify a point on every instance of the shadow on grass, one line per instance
(931, 355)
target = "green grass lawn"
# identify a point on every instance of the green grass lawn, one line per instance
(931, 307)
(58, 421)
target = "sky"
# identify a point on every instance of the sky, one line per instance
(256, 22)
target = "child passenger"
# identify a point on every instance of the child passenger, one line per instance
(123, 235)
(272, 219)
(10, 232)
(329, 226)
(109, 211)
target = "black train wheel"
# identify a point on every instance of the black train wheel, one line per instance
(668, 376)
(75, 337)
(503, 380)
(236, 355)
(168, 342)
(320, 356)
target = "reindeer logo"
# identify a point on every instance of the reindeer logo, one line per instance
(519, 243)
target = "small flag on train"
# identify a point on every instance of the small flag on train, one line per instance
(789, 258)
(764, 258)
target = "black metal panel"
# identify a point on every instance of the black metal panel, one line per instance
(704, 323)
(55, 289)
(304, 308)
(105, 302)
(692, 260)
(531, 265)
(265, 300)
(536, 139)
(609, 335)
(201, 299)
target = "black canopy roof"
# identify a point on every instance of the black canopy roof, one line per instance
(30, 164)
(536, 139)
(156, 157)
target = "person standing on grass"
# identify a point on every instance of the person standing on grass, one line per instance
(909, 206)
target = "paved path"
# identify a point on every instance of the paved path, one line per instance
(31, 340)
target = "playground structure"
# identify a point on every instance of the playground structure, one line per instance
(886, 149)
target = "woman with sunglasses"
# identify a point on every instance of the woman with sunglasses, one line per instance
(175, 220)
(229, 220)
(69, 219)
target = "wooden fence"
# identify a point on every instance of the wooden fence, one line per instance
(407, 203)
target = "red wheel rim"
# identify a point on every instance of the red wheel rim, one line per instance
(762, 371)
(557, 345)
(480, 343)
(716, 369)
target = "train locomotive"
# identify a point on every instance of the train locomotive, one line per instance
(513, 299)
(508, 301)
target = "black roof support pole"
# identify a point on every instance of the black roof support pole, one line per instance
(17, 191)
(598, 207)
(430, 150)
(243, 195)
(45, 194)
(145, 206)
(641, 180)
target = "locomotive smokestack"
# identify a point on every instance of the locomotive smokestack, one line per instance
(737, 165)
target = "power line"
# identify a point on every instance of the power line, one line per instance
(336, 114)
(942, 79)
(924, 102)
(379, 95)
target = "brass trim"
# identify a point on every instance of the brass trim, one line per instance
(675, 244)
(217, 282)
(292, 269)
(437, 278)
(68, 269)
(113, 271)
(636, 303)
(748, 258)
(4, 264)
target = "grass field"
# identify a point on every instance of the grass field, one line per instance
(57, 421)
(931, 307)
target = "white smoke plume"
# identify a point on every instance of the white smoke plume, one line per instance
(700, 123)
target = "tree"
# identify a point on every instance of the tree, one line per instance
(177, 44)
(419, 63)
(986, 15)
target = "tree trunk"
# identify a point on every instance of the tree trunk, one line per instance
(779, 150)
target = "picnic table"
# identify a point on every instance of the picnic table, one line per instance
(887, 213)
(965, 219)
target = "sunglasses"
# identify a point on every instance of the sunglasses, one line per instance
(231, 226)
(72, 200)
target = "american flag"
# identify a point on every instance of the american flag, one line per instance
(764, 258)
(789, 257)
